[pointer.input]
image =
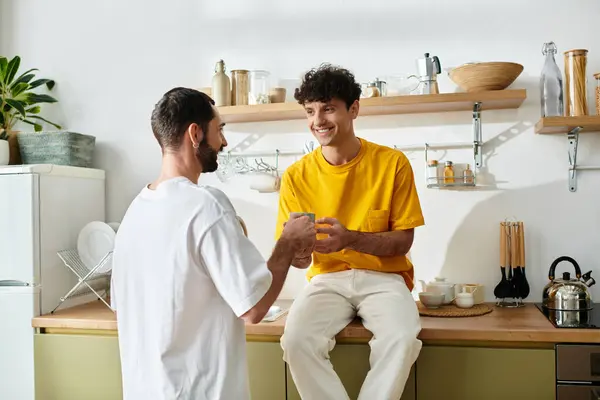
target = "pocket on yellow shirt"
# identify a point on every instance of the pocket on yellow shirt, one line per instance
(379, 220)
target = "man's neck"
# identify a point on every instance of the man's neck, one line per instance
(173, 167)
(343, 153)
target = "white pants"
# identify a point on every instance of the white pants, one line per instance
(326, 306)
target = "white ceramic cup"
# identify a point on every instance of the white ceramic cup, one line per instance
(264, 182)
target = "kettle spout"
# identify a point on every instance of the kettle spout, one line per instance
(588, 280)
(423, 285)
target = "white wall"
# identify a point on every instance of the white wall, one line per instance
(114, 59)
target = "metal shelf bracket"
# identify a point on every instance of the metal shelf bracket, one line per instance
(573, 138)
(477, 139)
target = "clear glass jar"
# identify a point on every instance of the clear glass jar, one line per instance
(575, 83)
(240, 87)
(432, 172)
(551, 84)
(597, 77)
(260, 86)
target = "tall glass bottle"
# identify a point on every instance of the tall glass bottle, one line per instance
(551, 84)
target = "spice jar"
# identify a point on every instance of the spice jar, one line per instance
(240, 87)
(432, 172)
(468, 175)
(597, 77)
(449, 173)
(259, 87)
(575, 83)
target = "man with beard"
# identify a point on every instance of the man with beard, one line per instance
(367, 206)
(185, 277)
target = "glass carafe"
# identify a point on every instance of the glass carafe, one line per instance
(551, 84)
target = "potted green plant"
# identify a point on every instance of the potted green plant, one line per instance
(19, 103)
(4, 149)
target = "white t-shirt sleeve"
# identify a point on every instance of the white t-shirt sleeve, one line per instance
(237, 268)
(113, 297)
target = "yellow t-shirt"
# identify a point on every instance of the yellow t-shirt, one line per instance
(374, 192)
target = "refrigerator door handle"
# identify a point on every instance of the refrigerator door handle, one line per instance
(13, 283)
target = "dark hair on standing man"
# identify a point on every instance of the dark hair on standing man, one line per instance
(327, 82)
(175, 111)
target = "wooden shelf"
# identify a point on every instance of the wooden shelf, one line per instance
(589, 123)
(430, 103)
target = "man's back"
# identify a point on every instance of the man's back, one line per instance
(179, 285)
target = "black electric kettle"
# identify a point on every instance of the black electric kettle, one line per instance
(568, 294)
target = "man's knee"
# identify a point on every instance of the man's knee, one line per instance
(302, 342)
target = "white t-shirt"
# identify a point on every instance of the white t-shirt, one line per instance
(183, 272)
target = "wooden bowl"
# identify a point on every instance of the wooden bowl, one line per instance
(483, 76)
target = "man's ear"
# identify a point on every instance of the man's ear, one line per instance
(354, 109)
(195, 134)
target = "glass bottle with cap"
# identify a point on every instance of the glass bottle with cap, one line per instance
(468, 175)
(551, 84)
(449, 173)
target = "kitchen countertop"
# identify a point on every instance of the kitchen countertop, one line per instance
(502, 325)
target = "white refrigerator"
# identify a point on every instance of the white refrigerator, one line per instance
(42, 210)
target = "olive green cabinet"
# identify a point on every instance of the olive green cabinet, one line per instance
(351, 363)
(266, 371)
(76, 367)
(459, 373)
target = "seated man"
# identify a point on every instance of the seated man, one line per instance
(365, 199)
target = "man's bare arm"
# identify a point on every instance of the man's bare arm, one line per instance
(381, 244)
(279, 265)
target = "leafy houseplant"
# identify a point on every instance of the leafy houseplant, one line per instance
(18, 101)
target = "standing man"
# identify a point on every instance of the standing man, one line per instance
(185, 276)
(365, 199)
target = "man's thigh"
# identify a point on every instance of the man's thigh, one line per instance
(386, 306)
(321, 310)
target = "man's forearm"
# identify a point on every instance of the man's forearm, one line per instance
(381, 244)
(279, 265)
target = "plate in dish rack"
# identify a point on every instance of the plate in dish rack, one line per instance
(95, 240)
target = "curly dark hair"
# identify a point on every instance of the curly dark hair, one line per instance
(327, 82)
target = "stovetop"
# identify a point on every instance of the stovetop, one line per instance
(573, 319)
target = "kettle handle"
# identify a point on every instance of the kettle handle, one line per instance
(438, 67)
(560, 259)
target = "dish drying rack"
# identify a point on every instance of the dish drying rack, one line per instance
(92, 280)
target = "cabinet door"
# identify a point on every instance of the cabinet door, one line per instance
(76, 367)
(459, 373)
(266, 371)
(351, 363)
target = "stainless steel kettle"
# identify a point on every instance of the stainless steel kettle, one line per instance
(568, 294)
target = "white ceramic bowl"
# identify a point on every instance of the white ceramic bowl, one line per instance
(431, 299)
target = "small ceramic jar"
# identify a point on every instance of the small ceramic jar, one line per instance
(464, 299)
